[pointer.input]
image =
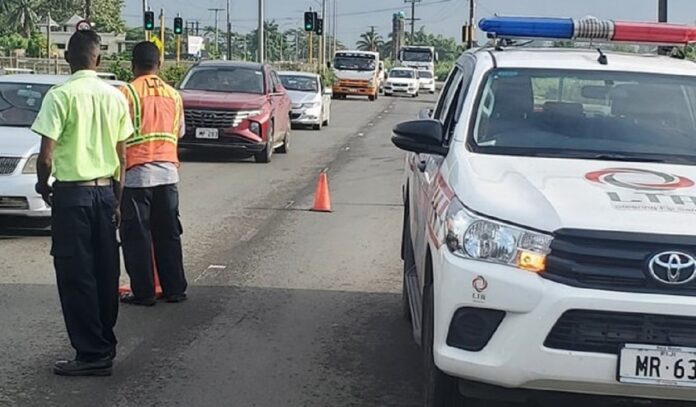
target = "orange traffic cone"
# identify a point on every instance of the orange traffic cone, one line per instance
(126, 289)
(322, 200)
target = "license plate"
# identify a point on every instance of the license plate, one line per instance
(210, 134)
(658, 365)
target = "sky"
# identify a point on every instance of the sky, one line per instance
(437, 16)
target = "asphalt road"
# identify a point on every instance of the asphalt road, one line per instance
(287, 307)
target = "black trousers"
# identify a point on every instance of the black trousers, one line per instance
(86, 258)
(151, 222)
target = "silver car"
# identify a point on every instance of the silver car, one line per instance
(20, 100)
(311, 102)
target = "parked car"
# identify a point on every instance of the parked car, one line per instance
(239, 106)
(427, 81)
(311, 102)
(20, 100)
(402, 81)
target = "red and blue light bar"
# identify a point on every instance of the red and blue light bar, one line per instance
(588, 29)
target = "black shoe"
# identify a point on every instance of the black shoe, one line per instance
(112, 354)
(132, 300)
(175, 298)
(101, 367)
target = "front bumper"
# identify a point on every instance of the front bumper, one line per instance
(18, 197)
(400, 90)
(306, 116)
(239, 138)
(515, 355)
(349, 90)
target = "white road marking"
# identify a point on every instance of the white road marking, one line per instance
(212, 267)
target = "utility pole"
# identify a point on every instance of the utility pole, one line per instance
(162, 35)
(198, 26)
(322, 38)
(146, 8)
(217, 32)
(413, 17)
(372, 37)
(260, 33)
(471, 28)
(229, 33)
(333, 27)
(48, 38)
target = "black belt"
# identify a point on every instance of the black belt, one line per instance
(100, 182)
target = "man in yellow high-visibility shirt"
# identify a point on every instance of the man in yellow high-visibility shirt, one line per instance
(84, 125)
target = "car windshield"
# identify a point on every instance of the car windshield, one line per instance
(355, 63)
(401, 73)
(228, 79)
(20, 103)
(300, 83)
(594, 115)
(425, 75)
(417, 56)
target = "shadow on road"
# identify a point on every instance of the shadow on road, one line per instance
(215, 156)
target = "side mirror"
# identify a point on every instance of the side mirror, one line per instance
(420, 136)
(328, 64)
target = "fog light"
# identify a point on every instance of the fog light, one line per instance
(472, 328)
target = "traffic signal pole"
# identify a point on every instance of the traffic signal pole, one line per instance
(310, 56)
(145, 8)
(162, 35)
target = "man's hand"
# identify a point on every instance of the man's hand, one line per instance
(45, 191)
(116, 219)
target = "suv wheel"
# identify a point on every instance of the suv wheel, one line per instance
(264, 156)
(409, 262)
(286, 144)
(440, 389)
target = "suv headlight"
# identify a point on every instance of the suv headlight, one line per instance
(474, 237)
(30, 166)
(255, 128)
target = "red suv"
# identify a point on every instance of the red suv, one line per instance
(236, 105)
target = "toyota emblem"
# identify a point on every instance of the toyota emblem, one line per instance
(673, 268)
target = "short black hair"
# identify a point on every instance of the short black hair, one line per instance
(146, 55)
(84, 48)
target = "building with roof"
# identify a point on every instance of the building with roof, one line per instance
(111, 43)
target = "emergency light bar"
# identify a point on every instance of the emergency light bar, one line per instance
(589, 28)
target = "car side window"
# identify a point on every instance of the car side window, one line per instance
(275, 80)
(447, 94)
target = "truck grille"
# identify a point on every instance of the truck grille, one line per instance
(219, 119)
(606, 332)
(353, 84)
(613, 261)
(8, 165)
(10, 202)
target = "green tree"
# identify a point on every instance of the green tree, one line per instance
(370, 41)
(36, 46)
(106, 15)
(12, 42)
(21, 16)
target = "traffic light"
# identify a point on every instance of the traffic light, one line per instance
(178, 25)
(319, 26)
(310, 19)
(149, 20)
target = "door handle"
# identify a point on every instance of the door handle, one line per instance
(422, 166)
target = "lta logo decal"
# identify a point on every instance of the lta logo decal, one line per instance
(639, 180)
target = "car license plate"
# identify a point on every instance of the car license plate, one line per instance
(658, 365)
(209, 134)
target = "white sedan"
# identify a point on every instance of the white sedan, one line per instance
(20, 100)
(402, 81)
(311, 102)
(427, 81)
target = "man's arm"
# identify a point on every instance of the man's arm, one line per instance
(44, 167)
(120, 182)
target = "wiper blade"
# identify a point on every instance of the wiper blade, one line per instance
(622, 157)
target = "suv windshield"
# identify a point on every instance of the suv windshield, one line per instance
(20, 103)
(355, 63)
(300, 83)
(425, 75)
(417, 56)
(228, 79)
(592, 115)
(401, 73)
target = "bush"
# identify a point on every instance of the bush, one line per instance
(120, 69)
(173, 74)
(442, 70)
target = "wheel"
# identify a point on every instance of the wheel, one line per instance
(387, 94)
(371, 98)
(409, 263)
(286, 144)
(316, 126)
(440, 389)
(432, 92)
(415, 95)
(264, 156)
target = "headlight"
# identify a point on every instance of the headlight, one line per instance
(255, 128)
(371, 83)
(30, 166)
(311, 105)
(474, 237)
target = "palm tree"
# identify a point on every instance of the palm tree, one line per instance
(370, 41)
(22, 17)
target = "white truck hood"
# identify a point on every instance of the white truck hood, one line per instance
(18, 142)
(354, 75)
(549, 194)
(298, 97)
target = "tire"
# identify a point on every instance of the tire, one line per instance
(371, 98)
(441, 390)
(387, 94)
(264, 156)
(286, 144)
(316, 127)
(432, 92)
(409, 262)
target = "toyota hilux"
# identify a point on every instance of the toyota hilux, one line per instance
(549, 237)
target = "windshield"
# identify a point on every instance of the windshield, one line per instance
(417, 56)
(581, 114)
(402, 73)
(425, 75)
(300, 83)
(355, 63)
(20, 103)
(228, 79)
